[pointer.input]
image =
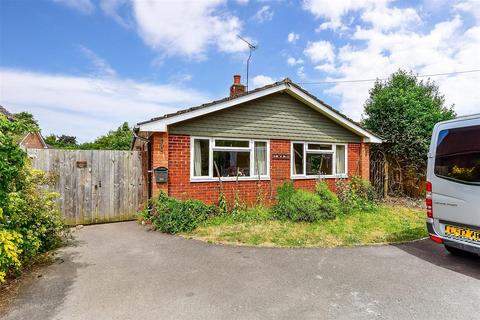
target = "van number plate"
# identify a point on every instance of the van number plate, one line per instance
(462, 232)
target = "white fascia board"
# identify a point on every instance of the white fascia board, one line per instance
(154, 126)
(160, 125)
(44, 144)
(302, 96)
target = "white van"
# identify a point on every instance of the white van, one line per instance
(453, 185)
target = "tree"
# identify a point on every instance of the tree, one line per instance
(403, 110)
(28, 121)
(67, 139)
(62, 142)
(120, 139)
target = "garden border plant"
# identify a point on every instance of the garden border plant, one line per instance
(169, 215)
(30, 220)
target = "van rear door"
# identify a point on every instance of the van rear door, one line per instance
(456, 172)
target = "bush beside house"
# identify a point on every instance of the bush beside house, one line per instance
(170, 215)
(30, 221)
(300, 205)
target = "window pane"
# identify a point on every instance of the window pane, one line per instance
(298, 158)
(319, 164)
(200, 157)
(317, 146)
(260, 158)
(232, 143)
(231, 163)
(458, 154)
(340, 159)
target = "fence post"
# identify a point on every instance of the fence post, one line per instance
(385, 179)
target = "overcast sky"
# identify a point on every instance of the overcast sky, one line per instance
(83, 67)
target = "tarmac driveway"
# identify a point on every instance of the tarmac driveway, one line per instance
(121, 271)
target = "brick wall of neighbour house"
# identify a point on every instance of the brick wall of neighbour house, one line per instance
(32, 141)
(175, 154)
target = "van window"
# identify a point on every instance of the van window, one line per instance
(458, 154)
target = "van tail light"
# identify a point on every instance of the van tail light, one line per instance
(436, 239)
(429, 207)
(428, 200)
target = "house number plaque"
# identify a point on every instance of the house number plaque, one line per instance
(281, 156)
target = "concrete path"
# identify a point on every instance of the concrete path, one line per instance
(121, 271)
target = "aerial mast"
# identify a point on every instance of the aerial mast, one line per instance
(251, 48)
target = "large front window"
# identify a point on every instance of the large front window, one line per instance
(318, 159)
(229, 158)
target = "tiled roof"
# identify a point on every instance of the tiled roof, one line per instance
(168, 115)
(286, 81)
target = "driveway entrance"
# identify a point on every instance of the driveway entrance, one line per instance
(121, 271)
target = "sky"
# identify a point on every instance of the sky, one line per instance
(83, 67)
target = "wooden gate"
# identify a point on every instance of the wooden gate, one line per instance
(391, 177)
(95, 186)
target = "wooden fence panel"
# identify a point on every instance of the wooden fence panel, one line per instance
(95, 186)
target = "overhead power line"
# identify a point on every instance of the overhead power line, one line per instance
(370, 80)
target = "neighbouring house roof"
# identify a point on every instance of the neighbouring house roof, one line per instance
(21, 140)
(160, 124)
(6, 113)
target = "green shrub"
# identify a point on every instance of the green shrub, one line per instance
(222, 204)
(301, 205)
(10, 242)
(238, 205)
(356, 194)
(329, 198)
(144, 215)
(30, 220)
(327, 195)
(285, 191)
(174, 216)
(12, 159)
(34, 212)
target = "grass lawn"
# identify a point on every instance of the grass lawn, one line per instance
(387, 224)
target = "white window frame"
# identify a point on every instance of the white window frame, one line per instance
(314, 151)
(212, 147)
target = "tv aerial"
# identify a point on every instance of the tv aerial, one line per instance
(252, 47)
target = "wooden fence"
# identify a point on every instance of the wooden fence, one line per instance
(391, 177)
(95, 186)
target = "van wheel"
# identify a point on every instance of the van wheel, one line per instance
(456, 251)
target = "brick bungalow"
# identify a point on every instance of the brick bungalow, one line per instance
(253, 142)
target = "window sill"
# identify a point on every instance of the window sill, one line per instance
(338, 176)
(229, 179)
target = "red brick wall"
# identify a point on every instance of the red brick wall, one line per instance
(159, 144)
(177, 158)
(365, 161)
